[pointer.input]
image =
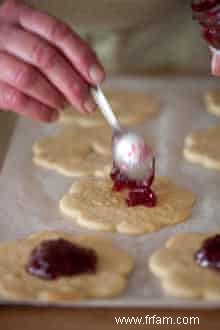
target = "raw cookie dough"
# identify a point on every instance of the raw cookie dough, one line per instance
(130, 107)
(94, 205)
(202, 147)
(110, 279)
(76, 152)
(179, 274)
(212, 100)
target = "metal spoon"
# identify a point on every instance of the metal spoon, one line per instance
(131, 155)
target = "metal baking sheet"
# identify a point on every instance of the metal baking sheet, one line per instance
(29, 194)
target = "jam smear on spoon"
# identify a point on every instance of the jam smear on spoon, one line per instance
(140, 192)
(209, 254)
(55, 258)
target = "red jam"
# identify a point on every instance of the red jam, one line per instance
(140, 193)
(207, 12)
(55, 258)
(209, 254)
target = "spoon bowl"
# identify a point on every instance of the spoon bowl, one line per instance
(131, 155)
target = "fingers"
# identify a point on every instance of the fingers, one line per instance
(12, 99)
(28, 80)
(64, 72)
(70, 44)
(10, 11)
(39, 53)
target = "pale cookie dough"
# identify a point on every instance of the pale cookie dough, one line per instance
(93, 204)
(131, 108)
(110, 279)
(179, 274)
(212, 100)
(202, 147)
(76, 152)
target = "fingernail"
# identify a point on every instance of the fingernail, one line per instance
(96, 74)
(54, 115)
(89, 104)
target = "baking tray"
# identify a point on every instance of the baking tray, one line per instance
(29, 194)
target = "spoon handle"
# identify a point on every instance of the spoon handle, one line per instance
(105, 107)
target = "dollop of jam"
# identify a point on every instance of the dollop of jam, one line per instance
(209, 254)
(55, 258)
(140, 192)
(207, 12)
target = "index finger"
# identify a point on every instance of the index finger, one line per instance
(78, 52)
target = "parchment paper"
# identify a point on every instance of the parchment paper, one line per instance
(29, 194)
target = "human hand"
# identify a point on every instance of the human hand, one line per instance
(43, 64)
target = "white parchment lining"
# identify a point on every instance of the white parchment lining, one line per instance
(29, 195)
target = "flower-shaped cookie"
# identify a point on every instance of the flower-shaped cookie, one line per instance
(76, 152)
(212, 100)
(109, 280)
(202, 147)
(94, 205)
(178, 271)
(130, 107)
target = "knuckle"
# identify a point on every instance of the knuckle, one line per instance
(13, 99)
(24, 77)
(79, 90)
(44, 113)
(59, 31)
(8, 6)
(84, 53)
(5, 29)
(44, 56)
(41, 110)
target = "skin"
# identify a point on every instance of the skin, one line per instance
(44, 65)
(215, 65)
